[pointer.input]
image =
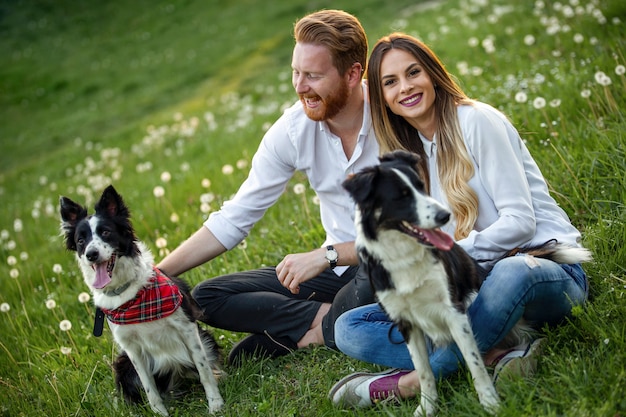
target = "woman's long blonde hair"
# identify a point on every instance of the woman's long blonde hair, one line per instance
(394, 132)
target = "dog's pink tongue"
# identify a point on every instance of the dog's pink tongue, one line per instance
(439, 239)
(102, 275)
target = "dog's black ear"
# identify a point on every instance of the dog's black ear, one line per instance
(360, 185)
(408, 157)
(111, 204)
(71, 214)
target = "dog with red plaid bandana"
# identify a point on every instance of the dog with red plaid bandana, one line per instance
(152, 317)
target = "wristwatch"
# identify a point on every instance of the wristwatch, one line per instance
(331, 256)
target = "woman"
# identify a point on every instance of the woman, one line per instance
(475, 162)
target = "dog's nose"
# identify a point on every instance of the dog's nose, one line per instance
(92, 255)
(442, 217)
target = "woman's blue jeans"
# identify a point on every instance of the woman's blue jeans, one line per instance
(542, 292)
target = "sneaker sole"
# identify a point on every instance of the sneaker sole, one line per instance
(343, 381)
(521, 366)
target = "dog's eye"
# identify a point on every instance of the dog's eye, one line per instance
(106, 233)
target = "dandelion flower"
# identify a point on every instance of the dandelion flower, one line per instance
(539, 103)
(65, 350)
(5, 307)
(158, 191)
(620, 70)
(24, 256)
(555, 103)
(206, 183)
(84, 297)
(18, 226)
(227, 169)
(57, 269)
(242, 164)
(602, 79)
(606, 341)
(11, 260)
(529, 40)
(174, 218)
(473, 42)
(243, 244)
(205, 208)
(65, 325)
(207, 198)
(50, 304)
(161, 243)
(299, 188)
(586, 93)
(166, 176)
(521, 97)
(14, 273)
(578, 38)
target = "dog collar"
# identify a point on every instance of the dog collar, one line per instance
(158, 299)
(116, 291)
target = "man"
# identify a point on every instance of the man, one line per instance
(327, 135)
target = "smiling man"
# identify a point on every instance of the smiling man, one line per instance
(327, 135)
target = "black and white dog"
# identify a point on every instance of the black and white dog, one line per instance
(422, 279)
(151, 316)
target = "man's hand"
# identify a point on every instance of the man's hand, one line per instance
(297, 268)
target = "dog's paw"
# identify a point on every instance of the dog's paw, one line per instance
(425, 410)
(490, 402)
(215, 404)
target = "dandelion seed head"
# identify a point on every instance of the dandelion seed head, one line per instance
(84, 297)
(602, 79)
(18, 225)
(555, 103)
(521, 97)
(161, 242)
(586, 93)
(166, 176)
(473, 42)
(243, 244)
(65, 325)
(299, 188)
(242, 164)
(539, 103)
(65, 350)
(51, 304)
(11, 260)
(5, 307)
(174, 218)
(14, 273)
(158, 191)
(57, 268)
(620, 70)
(205, 208)
(606, 341)
(24, 256)
(529, 40)
(578, 38)
(227, 169)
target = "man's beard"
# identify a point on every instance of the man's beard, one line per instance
(330, 106)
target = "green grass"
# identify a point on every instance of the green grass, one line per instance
(93, 93)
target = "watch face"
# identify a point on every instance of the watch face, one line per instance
(331, 255)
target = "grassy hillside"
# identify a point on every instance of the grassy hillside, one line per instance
(176, 96)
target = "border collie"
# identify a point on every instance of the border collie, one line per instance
(152, 317)
(422, 279)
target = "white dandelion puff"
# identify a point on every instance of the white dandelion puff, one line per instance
(206, 183)
(158, 191)
(65, 350)
(539, 103)
(11, 260)
(620, 70)
(299, 188)
(84, 297)
(161, 242)
(5, 307)
(227, 169)
(521, 97)
(586, 93)
(51, 304)
(166, 176)
(14, 273)
(57, 269)
(65, 325)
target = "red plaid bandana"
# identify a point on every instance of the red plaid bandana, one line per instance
(157, 300)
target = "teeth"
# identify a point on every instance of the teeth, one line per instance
(410, 100)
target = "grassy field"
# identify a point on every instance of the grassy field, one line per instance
(168, 102)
